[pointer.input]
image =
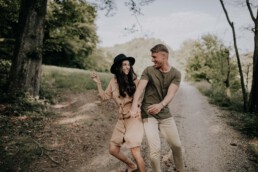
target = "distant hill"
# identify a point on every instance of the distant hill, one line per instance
(139, 49)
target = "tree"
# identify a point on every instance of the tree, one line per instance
(253, 97)
(209, 61)
(238, 58)
(252, 105)
(8, 28)
(70, 33)
(26, 64)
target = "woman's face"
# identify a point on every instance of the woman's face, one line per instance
(126, 66)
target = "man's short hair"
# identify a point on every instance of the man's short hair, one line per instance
(158, 48)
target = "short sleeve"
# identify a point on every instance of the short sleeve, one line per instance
(145, 75)
(177, 78)
(136, 82)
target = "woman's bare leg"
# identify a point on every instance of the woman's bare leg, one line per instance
(136, 152)
(115, 151)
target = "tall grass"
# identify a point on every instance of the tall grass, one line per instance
(217, 95)
(56, 80)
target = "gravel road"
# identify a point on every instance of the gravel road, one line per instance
(210, 144)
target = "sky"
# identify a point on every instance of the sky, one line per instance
(175, 21)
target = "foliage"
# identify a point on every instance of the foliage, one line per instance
(5, 66)
(210, 62)
(70, 33)
(183, 54)
(99, 61)
(217, 96)
(8, 28)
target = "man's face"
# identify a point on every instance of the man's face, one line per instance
(158, 59)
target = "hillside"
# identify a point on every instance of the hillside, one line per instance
(139, 49)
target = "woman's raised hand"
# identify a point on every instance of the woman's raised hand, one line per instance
(95, 77)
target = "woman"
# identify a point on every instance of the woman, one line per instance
(127, 130)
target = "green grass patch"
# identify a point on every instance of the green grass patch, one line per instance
(218, 96)
(245, 123)
(56, 80)
(17, 148)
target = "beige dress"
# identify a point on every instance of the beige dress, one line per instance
(127, 130)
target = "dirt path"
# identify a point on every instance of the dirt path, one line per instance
(81, 133)
(209, 143)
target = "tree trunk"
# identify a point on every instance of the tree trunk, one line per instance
(227, 83)
(26, 63)
(238, 58)
(253, 98)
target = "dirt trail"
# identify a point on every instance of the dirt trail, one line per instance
(210, 144)
(81, 133)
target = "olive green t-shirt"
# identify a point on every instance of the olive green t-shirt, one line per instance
(157, 88)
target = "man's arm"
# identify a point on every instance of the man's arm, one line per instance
(156, 108)
(137, 96)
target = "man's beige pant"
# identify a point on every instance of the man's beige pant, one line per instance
(168, 129)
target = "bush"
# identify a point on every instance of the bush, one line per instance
(5, 66)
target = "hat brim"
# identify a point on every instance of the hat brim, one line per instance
(113, 67)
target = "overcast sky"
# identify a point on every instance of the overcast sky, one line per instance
(174, 21)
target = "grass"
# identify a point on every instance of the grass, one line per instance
(218, 96)
(17, 148)
(56, 80)
(245, 123)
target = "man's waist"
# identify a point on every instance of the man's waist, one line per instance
(164, 113)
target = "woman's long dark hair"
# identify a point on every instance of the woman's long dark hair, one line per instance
(125, 82)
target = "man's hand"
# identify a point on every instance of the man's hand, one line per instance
(154, 109)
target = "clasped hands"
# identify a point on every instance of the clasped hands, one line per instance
(135, 113)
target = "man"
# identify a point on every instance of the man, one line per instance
(160, 83)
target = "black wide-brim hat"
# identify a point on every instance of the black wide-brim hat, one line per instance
(119, 58)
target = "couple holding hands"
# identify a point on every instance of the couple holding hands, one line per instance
(143, 108)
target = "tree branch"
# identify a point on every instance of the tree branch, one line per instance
(237, 56)
(226, 13)
(250, 10)
(44, 153)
